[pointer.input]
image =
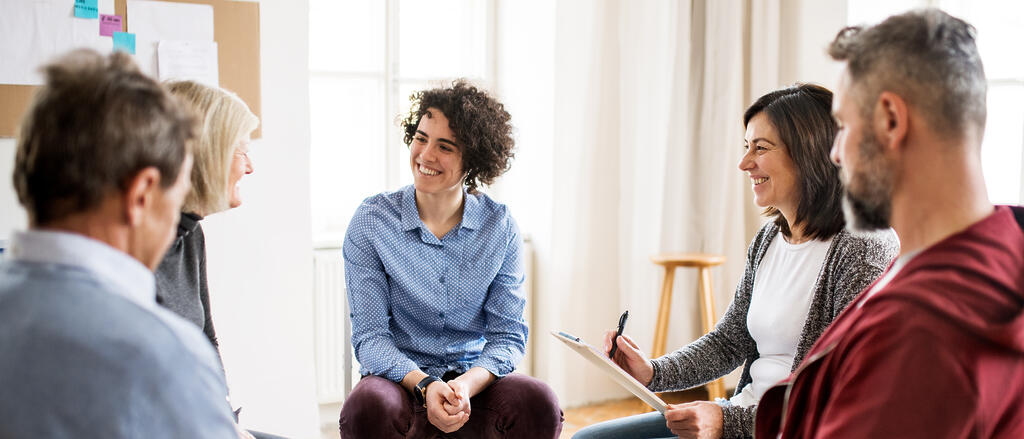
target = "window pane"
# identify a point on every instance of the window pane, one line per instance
(1000, 26)
(1001, 151)
(442, 38)
(401, 161)
(347, 150)
(346, 35)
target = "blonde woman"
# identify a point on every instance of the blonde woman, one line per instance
(221, 159)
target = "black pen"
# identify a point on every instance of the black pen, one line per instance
(622, 325)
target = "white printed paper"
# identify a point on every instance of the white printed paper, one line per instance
(34, 32)
(195, 60)
(155, 21)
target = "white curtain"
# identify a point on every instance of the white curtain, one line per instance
(648, 99)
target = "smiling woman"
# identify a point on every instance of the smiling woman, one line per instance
(801, 271)
(473, 120)
(789, 134)
(435, 287)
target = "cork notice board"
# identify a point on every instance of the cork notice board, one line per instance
(236, 29)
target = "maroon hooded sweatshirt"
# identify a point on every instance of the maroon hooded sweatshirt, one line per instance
(936, 353)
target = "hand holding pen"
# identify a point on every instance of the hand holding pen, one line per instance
(629, 356)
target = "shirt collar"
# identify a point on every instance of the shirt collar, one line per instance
(125, 275)
(188, 223)
(472, 215)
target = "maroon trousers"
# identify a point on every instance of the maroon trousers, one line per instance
(516, 406)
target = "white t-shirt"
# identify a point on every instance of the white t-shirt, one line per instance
(783, 289)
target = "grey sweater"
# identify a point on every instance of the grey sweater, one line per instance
(181, 277)
(851, 264)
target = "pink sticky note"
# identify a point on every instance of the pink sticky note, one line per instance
(109, 24)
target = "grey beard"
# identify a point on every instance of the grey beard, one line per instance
(865, 217)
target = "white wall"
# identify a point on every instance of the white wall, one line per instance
(260, 257)
(12, 216)
(807, 27)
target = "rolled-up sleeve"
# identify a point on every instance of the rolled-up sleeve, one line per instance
(506, 332)
(369, 303)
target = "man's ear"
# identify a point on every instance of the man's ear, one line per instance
(891, 120)
(140, 193)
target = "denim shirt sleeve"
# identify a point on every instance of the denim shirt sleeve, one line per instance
(369, 304)
(506, 331)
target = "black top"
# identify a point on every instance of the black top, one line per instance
(181, 277)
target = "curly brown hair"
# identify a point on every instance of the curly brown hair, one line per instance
(481, 125)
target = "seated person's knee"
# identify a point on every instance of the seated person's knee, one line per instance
(376, 408)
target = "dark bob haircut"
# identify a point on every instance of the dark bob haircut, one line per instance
(480, 123)
(802, 115)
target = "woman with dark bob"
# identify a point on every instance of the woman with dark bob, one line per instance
(435, 287)
(802, 269)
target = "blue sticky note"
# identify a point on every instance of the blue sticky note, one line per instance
(125, 42)
(87, 9)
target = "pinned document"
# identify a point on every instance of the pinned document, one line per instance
(36, 31)
(194, 60)
(124, 42)
(155, 21)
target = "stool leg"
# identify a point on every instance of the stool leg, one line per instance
(716, 388)
(661, 327)
(707, 301)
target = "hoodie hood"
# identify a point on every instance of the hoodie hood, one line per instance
(974, 278)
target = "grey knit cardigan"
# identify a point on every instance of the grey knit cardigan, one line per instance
(853, 261)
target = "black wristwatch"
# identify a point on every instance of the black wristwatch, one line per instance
(420, 391)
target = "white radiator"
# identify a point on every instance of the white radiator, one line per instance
(333, 349)
(336, 370)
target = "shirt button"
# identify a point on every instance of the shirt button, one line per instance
(441, 279)
(441, 314)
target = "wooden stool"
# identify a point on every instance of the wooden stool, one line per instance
(703, 262)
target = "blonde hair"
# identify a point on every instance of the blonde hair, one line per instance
(224, 120)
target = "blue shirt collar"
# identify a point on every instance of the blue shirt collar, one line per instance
(472, 216)
(123, 274)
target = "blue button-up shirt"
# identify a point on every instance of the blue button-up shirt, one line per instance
(419, 302)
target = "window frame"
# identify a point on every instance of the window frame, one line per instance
(1002, 81)
(389, 75)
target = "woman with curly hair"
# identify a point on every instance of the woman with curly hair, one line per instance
(434, 274)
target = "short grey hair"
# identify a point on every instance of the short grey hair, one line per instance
(93, 126)
(926, 56)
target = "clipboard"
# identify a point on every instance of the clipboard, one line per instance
(606, 365)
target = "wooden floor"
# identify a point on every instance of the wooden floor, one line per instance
(580, 417)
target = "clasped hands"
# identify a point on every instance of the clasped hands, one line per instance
(447, 405)
(696, 420)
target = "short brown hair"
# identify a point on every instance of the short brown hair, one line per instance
(96, 122)
(802, 115)
(224, 120)
(481, 125)
(927, 57)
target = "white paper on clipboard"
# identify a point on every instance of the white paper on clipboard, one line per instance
(613, 370)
